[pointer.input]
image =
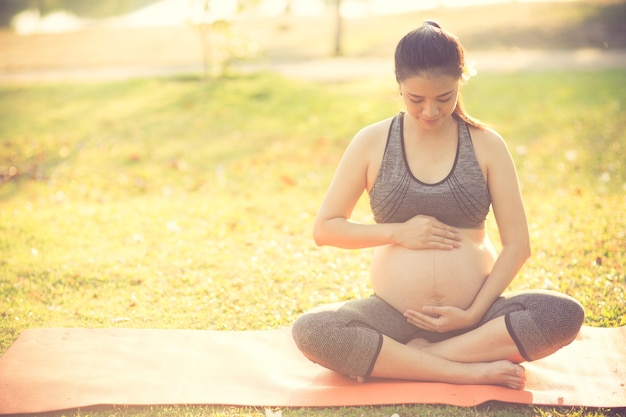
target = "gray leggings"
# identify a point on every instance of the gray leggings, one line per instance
(347, 337)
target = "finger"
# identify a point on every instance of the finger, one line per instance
(434, 310)
(449, 243)
(425, 314)
(444, 244)
(421, 320)
(420, 324)
(449, 233)
(416, 315)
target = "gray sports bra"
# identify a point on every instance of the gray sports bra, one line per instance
(459, 200)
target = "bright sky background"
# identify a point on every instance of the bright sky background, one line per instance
(178, 12)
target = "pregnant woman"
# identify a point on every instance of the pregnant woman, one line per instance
(439, 310)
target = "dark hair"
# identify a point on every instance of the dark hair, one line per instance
(431, 49)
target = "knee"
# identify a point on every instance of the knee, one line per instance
(330, 341)
(307, 331)
(316, 335)
(570, 318)
(561, 318)
(313, 334)
(554, 321)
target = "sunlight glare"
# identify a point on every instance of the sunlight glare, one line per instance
(30, 21)
(164, 13)
(176, 12)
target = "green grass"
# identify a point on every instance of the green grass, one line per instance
(173, 203)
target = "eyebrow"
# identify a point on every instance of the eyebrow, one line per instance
(439, 96)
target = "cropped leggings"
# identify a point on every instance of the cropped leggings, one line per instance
(347, 337)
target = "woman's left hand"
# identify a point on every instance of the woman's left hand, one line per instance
(440, 318)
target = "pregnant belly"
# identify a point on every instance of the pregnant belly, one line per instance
(411, 279)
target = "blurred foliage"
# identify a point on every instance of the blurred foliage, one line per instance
(93, 9)
(82, 8)
(221, 43)
(583, 25)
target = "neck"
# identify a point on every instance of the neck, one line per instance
(414, 129)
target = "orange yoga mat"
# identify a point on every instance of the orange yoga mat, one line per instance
(56, 369)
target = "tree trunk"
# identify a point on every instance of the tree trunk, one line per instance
(338, 29)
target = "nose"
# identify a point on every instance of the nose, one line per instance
(430, 109)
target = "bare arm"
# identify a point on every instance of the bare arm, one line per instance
(333, 225)
(508, 208)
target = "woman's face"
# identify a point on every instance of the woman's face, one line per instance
(430, 99)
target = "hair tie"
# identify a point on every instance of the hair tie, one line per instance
(429, 22)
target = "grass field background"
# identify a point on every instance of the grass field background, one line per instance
(178, 203)
(173, 203)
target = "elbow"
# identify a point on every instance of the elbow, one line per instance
(319, 236)
(524, 251)
(520, 250)
(326, 232)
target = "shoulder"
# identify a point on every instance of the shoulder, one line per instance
(375, 132)
(495, 160)
(372, 139)
(365, 152)
(488, 144)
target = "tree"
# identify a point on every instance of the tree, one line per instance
(8, 9)
(338, 50)
(213, 22)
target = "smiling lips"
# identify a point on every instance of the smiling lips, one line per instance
(430, 121)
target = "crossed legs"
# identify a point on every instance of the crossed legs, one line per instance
(400, 361)
(368, 337)
(487, 343)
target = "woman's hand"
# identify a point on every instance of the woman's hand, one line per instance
(426, 232)
(440, 318)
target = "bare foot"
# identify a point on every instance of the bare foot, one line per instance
(502, 373)
(418, 343)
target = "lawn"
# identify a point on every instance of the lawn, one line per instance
(177, 203)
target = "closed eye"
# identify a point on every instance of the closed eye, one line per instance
(442, 98)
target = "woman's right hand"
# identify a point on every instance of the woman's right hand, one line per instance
(426, 232)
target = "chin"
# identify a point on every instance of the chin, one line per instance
(431, 124)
